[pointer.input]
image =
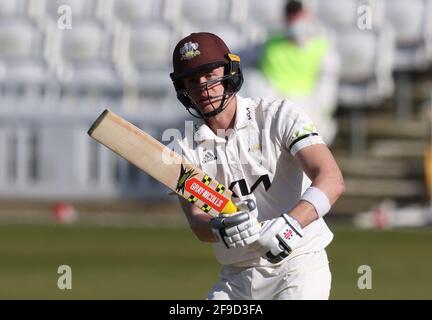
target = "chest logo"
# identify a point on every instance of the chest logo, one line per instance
(208, 156)
(244, 188)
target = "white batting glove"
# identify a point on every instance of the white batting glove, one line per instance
(239, 229)
(278, 238)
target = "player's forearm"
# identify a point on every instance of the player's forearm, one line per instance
(304, 213)
(320, 166)
(198, 221)
(201, 227)
(331, 184)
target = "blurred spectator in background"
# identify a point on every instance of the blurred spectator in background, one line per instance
(300, 64)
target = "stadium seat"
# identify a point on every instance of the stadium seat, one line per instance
(79, 8)
(83, 62)
(366, 66)
(129, 11)
(365, 76)
(148, 46)
(96, 76)
(86, 40)
(153, 84)
(358, 54)
(18, 38)
(268, 13)
(23, 68)
(258, 18)
(412, 22)
(311, 5)
(25, 72)
(365, 49)
(8, 8)
(209, 11)
(232, 35)
(339, 14)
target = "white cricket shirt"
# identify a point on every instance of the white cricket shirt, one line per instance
(256, 161)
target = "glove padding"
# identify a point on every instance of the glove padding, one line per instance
(278, 238)
(239, 229)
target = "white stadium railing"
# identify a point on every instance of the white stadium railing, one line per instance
(50, 156)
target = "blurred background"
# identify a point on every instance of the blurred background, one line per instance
(65, 200)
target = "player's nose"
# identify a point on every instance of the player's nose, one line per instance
(203, 88)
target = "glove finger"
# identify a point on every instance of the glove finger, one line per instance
(228, 221)
(245, 227)
(236, 238)
(228, 240)
(231, 231)
(250, 225)
(255, 229)
(248, 233)
(276, 249)
(251, 239)
(236, 219)
(273, 259)
(269, 232)
(217, 223)
(232, 245)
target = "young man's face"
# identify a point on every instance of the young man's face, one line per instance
(207, 97)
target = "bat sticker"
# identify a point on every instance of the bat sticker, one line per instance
(200, 190)
(183, 177)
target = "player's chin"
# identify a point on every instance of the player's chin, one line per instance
(206, 108)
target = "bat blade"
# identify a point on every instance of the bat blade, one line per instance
(163, 164)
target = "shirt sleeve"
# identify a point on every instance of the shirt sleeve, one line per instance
(296, 129)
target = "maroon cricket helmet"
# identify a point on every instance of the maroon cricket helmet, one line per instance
(203, 52)
(198, 52)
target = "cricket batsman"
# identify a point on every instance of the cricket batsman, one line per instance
(283, 177)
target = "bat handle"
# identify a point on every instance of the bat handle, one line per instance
(251, 204)
(247, 205)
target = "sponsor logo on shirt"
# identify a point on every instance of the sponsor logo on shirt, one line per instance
(244, 188)
(248, 114)
(255, 147)
(306, 130)
(208, 156)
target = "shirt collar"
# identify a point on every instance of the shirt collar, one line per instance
(243, 119)
(205, 133)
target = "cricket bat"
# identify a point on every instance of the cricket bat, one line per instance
(149, 155)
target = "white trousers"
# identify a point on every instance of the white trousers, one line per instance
(303, 277)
